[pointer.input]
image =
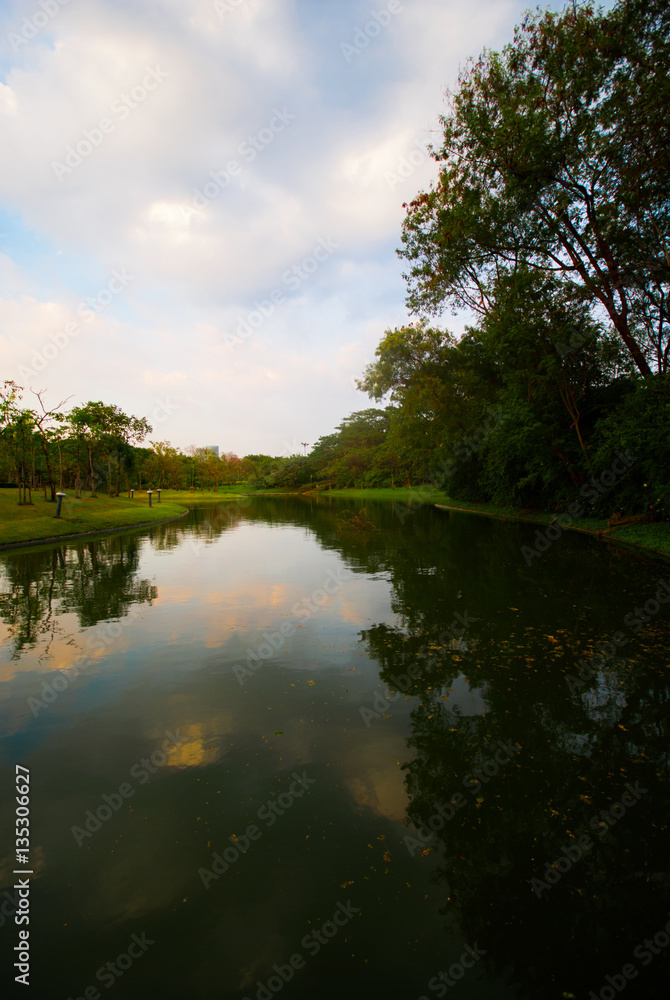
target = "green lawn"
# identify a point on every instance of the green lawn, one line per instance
(23, 524)
(653, 536)
(223, 493)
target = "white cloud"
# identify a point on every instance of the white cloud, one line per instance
(305, 145)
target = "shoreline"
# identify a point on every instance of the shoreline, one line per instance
(402, 495)
(602, 534)
(50, 540)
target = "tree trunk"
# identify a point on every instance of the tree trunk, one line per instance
(91, 472)
(52, 485)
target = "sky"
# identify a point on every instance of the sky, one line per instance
(200, 202)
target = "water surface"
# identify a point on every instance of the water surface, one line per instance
(272, 754)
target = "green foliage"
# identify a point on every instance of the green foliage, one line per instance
(556, 156)
(638, 425)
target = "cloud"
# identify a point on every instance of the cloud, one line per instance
(207, 150)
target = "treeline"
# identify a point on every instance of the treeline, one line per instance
(527, 414)
(99, 447)
(549, 221)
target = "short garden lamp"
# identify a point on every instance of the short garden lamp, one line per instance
(149, 492)
(159, 494)
(59, 502)
(132, 494)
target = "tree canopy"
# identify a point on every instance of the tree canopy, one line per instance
(555, 157)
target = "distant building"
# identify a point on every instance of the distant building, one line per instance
(213, 448)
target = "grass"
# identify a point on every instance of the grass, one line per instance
(230, 490)
(403, 493)
(35, 522)
(654, 536)
(29, 523)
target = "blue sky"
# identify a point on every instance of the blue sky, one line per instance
(200, 201)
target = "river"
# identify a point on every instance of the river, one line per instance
(271, 752)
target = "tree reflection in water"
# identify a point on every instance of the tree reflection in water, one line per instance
(97, 581)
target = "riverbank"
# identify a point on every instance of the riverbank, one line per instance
(653, 536)
(21, 525)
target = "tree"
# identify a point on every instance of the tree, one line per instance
(18, 427)
(424, 370)
(167, 463)
(350, 456)
(47, 423)
(441, 387)
(89, 425)
(105, 430)
(549, 354)
(556, 154)
(125, 432)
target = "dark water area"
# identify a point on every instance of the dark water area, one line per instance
(270, 754)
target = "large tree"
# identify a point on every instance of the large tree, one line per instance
(556, 155)
(105, 430)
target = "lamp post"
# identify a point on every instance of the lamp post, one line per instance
(132, 494)
(59, 502)
(149, 492)
(159, 494)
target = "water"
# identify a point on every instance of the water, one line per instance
(270, 754)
